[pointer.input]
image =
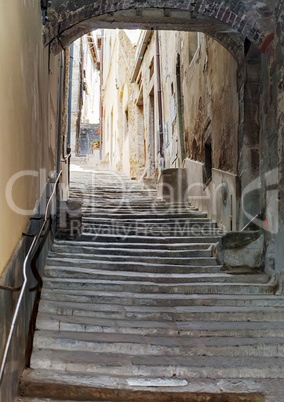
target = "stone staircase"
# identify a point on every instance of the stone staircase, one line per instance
(137, 309)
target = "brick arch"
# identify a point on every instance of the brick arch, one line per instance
(228, 21)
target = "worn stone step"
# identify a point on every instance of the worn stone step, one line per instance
(148, 239)
(145, 200)
(101, 272)
(158, 300)
(81, 258)
(97, 201)
(159, 366)
(140, 267)
(98, 250)
(159, 247)
(137, 309)
(199, 329)
(85, 260)
(164, 232)
(135, 211)
(178, 313)
(121, 388)
(113, 278)
(129, 206)
(158, 345)
(174, 225)
(141, 216)
(200, 288)
(152, 222)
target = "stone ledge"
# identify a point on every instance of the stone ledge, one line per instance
(240, 250)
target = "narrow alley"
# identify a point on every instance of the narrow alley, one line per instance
(138, 305)
(142, 200)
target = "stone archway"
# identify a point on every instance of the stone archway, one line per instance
(230, 22)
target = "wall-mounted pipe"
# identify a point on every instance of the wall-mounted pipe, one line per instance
(70, 95)
(101, 93)
(159, 90)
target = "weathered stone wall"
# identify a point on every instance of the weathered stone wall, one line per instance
(210, 105)
(271, 147)
(146, 96)
(209, 97)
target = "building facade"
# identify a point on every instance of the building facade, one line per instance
(85, 94)
(194, 124)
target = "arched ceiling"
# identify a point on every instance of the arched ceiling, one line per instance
(230, 22)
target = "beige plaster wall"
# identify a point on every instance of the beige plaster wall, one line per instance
(146, 89)
(28, 104)
(120, 146)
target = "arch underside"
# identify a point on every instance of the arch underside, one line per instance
(227, 21)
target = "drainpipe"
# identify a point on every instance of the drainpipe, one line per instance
(180, 109)
(59, 110)
(70, 107)
(101, 93)
(80, 99)
(160, 110)
(70, 96)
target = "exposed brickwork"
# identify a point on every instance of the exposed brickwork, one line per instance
(250, 18)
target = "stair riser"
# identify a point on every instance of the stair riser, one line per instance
(176, 224)
(143, 209)
(145, 269)
(146, 239)
(190, 261)
(161, 371)
(48, 308)
(115, 394)
(261, 350)
(150, 232)
(127, 252)
(188, 215)
(133, 300)
(137, 284)
(50, 325)
(103, 262)
(143, 228)
(152, 248)
(199, 289)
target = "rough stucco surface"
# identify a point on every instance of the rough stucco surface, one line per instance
(210, 99)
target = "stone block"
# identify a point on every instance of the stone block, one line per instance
(240, 250)
(150, 184)
(69, 219)
(172, 186)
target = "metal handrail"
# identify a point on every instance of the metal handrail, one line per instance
(65, 158)
(19, 302)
